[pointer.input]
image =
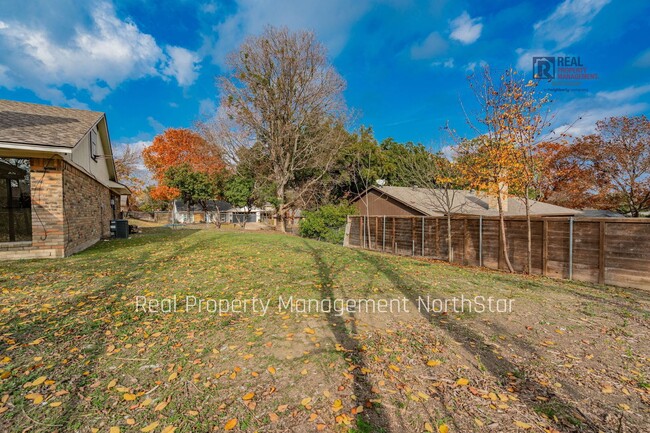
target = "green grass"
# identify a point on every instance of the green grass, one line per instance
(73, 321)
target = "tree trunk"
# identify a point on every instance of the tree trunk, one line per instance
(450, 251)
(502, 226)
(529, 251)
(218, 220)
(279, 220)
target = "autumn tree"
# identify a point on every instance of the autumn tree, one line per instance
(568, 178)
(283, 95)
(176, 148)
(492, 161)
(521, 117)
(618, 155)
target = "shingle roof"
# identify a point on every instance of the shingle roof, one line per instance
(468, 202)
(44, 125)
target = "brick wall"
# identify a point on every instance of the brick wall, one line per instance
(88, 212)
(70, 212)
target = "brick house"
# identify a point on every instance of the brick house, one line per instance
(58, 185)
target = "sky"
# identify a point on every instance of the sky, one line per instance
(152, 65)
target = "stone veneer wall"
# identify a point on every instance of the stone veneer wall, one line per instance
(70, 212)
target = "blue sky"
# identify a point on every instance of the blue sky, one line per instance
(152, 64)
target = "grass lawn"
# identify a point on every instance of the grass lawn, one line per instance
(75, 355)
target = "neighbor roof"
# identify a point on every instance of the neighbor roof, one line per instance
(44, 125)
(467, 202)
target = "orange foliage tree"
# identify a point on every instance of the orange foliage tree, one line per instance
(176, 147)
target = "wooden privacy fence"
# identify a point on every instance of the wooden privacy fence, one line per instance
(612, 251)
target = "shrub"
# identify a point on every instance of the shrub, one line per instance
(327, 223)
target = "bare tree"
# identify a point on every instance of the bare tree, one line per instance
(283, 95)
(126, 165)
(440, 181)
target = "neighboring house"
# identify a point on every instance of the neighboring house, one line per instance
(396, 201)
(229, 214)
(58, 186)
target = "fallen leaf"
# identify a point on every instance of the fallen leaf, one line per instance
(230, 424)
(523, 425)
(443, 428)
(248, 396)
(462, 381)
(151, 427)
(271, 370)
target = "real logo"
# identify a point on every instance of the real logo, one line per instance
(544, 68)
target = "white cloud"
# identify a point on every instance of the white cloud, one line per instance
(182, 64)
(569, 23)
(331, 21)
(466, 29)
(207, 108)
(155, 124)
(579, 116)
(433, 45)
(94, 55)
(566, 25)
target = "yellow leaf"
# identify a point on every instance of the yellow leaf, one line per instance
(428, 427)
(478, 422)
(309, 331)
(433, 363)
(172, 376)
(39, 381)
(55, 404)
(128, 396)
(114, 430)
(305, 401)
(462, 381)
(160, 406)
(271, 370)
(248, 396)
(111, 384)
(169, 429)
(523, 425)
(151, 427)
(443, 428)
(230, 424)
(393, 367)
(337, 405)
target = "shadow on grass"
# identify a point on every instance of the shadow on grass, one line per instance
(569, 417)
(374, 419)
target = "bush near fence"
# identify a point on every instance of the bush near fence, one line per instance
(613, 251)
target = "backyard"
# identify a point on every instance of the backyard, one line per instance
(77, 355)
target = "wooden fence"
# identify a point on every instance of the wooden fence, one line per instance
(612, 251)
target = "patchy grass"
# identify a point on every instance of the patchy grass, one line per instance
(75, 355)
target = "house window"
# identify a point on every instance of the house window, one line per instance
(93, 145)
(15, 201)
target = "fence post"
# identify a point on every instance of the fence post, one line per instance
(361, 232)
(480, 240)
(437, 252)
(422, 236)
(601, 254)
(383, 236)
(413, 236)
(545, 247)
(394, 240)
(465, 261)
(571, 248)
